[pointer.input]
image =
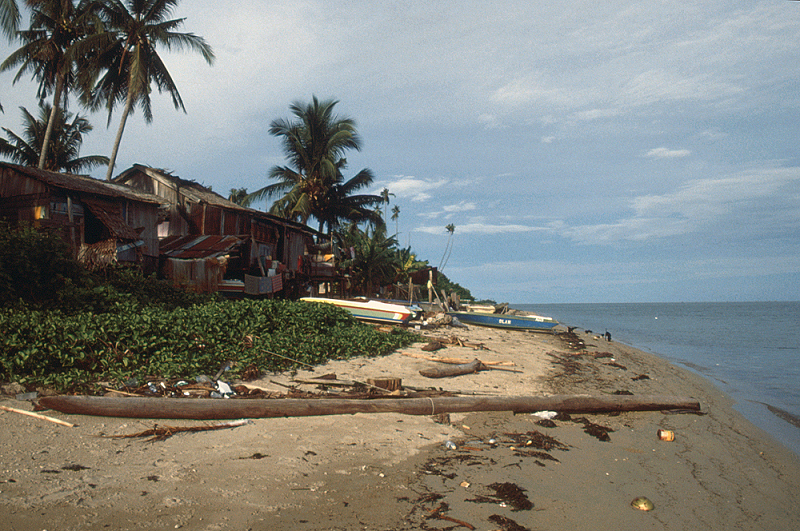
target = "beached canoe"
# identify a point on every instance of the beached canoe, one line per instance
(253, 408)
(369, 310)
(505, 320)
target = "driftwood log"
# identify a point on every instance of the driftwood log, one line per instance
(222, 409)
(454, 370)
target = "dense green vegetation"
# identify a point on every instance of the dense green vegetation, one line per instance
(65, 328)
(71, 351)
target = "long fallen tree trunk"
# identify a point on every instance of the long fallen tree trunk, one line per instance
(220, 409)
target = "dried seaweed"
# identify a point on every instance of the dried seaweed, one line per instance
(506, 524)
(595, 430)
(537, 439)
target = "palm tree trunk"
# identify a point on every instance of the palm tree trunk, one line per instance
(118, 140)
(51, 121)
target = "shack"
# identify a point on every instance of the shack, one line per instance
(102, 222)
(209, 243)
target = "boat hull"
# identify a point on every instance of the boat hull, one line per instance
(369, 310)
(501, 320)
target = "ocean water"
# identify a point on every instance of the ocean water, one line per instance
(750, 350)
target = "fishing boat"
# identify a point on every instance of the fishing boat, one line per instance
(506, 320)
(369, 310)
(415, 309)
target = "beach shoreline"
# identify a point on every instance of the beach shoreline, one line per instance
(392, 471)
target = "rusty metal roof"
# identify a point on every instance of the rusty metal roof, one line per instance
(194, 247)
(83, 183)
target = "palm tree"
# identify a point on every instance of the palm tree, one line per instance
(446, 256)
(385, 199)
(340, 203)
(375, 261)
(9, 18)
(240, 197)
(9, 22)
(312, 183)
(52, 47)
(406, 264)
(64, 145)
(395, 218)
(131, 62)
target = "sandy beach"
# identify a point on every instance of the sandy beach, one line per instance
(393, 471)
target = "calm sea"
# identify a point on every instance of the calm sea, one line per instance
(750, 350)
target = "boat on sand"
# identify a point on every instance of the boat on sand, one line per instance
(506, 320)
(368, 310)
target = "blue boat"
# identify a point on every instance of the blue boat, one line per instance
(505, 320)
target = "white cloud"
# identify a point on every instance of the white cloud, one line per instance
(408, 187)
(666, 153)
(481, 229)
(460, 207)
(490, 121)
(746, 204)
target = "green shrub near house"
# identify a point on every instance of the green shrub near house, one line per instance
(65, 328)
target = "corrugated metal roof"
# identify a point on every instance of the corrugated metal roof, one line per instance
(83, 183)
(194, 247)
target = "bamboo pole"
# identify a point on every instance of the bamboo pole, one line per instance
(221, 409)
(37, 416)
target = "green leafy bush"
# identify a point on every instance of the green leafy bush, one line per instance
(72, 351)
(34, 265)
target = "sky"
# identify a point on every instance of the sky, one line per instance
(627, 151)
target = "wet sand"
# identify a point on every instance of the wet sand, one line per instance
(392, 471)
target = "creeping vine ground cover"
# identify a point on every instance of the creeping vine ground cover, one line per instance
(64, 327)
(72, 351)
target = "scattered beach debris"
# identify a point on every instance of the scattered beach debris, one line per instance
(666, 435)
(162, 433)
(439, 511)
(572, 341)
(536, 439)
(257, 455)
(36, 416)
(642, 503)
(506, 493)
(640, 377)
(432, 346)
(595, 430)
(506, 524)
(461, 369)
(456, 361)
(75, 468)
(454, 370)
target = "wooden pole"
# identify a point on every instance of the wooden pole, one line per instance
(220, 409)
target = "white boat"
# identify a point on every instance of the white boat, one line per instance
(368, 310)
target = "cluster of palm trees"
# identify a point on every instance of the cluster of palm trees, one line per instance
(104, 52)
(312, 185)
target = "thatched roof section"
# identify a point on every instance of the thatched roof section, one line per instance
(80, 183)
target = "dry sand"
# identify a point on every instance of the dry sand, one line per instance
(391, 471)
